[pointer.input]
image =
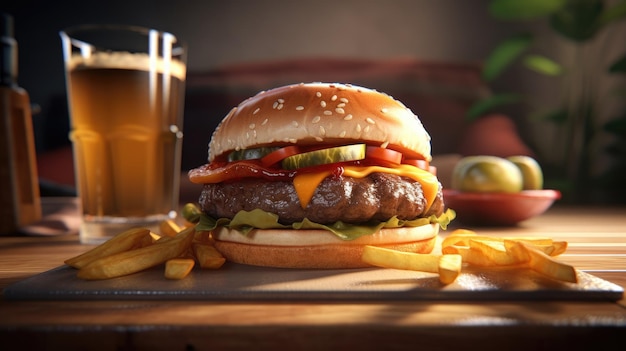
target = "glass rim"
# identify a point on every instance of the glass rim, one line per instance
(93, 27)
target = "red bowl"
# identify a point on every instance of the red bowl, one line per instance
(499, 209)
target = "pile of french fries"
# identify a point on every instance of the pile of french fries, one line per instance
(466, 247)
(179, 249)
(138, 249)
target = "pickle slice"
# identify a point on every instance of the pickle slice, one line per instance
(325, 156)
(250, 154)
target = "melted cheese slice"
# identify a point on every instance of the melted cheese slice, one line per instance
(305, 184)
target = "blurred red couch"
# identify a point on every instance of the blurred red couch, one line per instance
(439, 93)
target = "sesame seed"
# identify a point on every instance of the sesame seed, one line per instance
(280, 106)
(370, 121)
(299, 108)
(366, 129)
(342, 134)
(384, 145)
(318, 94)
(347, 117)
(343, 104)
(275, 104)
(319, 138)
(316, 119)
(344, 100)
(281, 101)
(251, 125)
(294, 123)
(339, 110)
(333, 98)
(322, 130)
(328, 112)
(256, 111)
(293, 140)
(358, 128)
(323, 103)
(265, 122)
(383, 110)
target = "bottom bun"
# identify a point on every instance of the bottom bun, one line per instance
(326, 255)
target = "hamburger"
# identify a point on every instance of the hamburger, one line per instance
(306, 175)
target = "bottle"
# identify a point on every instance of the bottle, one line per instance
(20, 202)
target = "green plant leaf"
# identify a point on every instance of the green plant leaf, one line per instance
(483, 106)
(619, 92)
(618, 66)
(524, 9)
(505, 54)
(557, 116)
(614, 13)
(544, 65)
(578, 20)
(616, 126)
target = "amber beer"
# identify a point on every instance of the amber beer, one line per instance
(126, 129)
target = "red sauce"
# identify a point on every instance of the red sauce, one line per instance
(232, 171)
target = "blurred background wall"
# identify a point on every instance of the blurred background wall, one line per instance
(221, 32)
(227, 31)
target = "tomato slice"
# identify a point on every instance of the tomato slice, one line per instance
(422, 164)
(276, 156)
(382, 154)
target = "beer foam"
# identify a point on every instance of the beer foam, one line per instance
(126, 60)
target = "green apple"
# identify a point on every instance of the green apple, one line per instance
(531, 172)
(486, 174)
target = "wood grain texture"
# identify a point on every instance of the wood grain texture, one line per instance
(597, 239)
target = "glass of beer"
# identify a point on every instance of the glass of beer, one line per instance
(125, 88)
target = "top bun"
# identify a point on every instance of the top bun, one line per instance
(321, 114)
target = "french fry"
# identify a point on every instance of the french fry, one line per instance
(202, 237)
(387, 258)
(458, 237)
(463, 231)
(449, 268)
(178, 268)
(546, 265)
(547, 249)
(133, 261)
(207, 255)
(559, 248)
(515, 249)
(154, 237)
(123, 241)
(494, 251)
(464, 239)
(169, 228)
(470, 255)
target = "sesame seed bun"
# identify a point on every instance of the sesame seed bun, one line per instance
(317, 249)
(321, 113)
(324, 115)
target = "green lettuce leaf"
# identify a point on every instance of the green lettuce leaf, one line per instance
(245, 221)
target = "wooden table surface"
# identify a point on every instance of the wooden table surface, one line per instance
(597, 245)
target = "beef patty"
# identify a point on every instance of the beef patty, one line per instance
(377, 197)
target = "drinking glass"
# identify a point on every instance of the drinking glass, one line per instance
(125, 88)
